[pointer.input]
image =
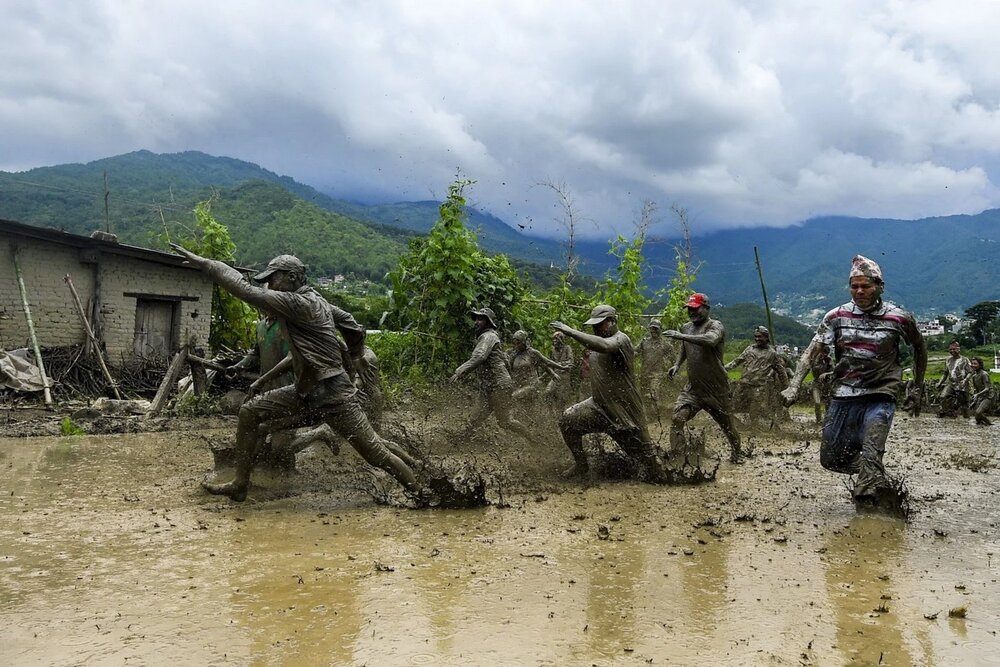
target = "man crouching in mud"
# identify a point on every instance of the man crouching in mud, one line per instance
(865, 334)
(322, 388)
(615, 406)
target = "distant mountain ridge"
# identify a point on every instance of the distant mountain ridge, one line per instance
(934, 265)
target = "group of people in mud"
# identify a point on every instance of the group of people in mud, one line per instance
(854, 359)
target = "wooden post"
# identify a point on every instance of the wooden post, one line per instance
(92, 337)
(199, 378)
(767, 307)
(31, 326)
(163, 393)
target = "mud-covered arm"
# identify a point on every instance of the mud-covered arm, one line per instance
(279, 368)
(812, 352)
(550, 365)
(712, 336)
(484, 345)
(353, 333)
(919, 346)
(589, 341)
(285, 305)
(681, 358)
(739, 360)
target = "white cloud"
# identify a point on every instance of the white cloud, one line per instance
(746, 113)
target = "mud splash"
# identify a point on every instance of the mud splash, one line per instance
(110, 553)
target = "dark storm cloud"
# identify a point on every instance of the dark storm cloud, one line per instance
(745, 113)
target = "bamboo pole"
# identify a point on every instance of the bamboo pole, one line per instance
(31, 326)
(767, 307)
(92, 337)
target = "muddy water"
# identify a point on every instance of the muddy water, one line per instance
(110, 554)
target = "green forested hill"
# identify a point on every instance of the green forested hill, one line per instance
(932, 265)
(151, 193)
(741, 319)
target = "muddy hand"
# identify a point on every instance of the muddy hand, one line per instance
(789, 395)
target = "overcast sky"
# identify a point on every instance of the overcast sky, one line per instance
(744, 113)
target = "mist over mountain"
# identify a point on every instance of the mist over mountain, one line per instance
(932, 265)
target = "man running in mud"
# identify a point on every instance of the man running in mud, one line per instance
(495, 384)
(654, 351)
(526, 366)
(615, 407)
(865, 334)
(703, 341)
(322, 388)
(953, 397)
(979, 387)
(560, 390)
(272, 346)
(764, 376)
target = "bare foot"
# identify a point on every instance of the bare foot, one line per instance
(237, 492)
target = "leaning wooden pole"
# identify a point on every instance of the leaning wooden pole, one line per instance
(92, 337)
(31, 326)
(767, 306)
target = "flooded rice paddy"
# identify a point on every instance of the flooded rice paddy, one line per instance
(111, 554)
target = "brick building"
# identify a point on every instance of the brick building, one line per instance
(141, 302)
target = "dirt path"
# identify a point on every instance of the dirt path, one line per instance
(111, 554)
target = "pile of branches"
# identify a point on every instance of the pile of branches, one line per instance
(75, 374)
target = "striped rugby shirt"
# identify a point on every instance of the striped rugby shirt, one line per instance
(866, 347)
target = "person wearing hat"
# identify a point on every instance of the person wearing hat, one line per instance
(615, 406)
(653, 351)
(703, 341)
(954, 397)
(764, 376)
(322, 388)
(865, 335)
(495, 384)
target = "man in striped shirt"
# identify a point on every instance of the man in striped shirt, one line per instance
(865, 336)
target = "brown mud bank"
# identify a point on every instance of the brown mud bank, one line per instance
(110, 553)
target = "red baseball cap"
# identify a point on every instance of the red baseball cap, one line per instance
(697, 300)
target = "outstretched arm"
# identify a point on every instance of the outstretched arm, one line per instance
(681, 358)
(713, 334)
(805, 362)
(589, 341)
(479, 354)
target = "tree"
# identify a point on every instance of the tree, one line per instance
(232, 320)
(441, 278)
(674, 313)
(983, 314)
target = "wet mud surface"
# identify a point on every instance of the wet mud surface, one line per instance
(110, 553)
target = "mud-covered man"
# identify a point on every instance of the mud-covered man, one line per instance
(703, 341)
(322, 388)
(559, 391)
(656, 353)
(953, 396)
(764, 375)
(528, 366)
(495, 384)
(615, 406)
(865, 335)
(979, 387)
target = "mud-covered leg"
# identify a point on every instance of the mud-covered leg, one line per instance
(575, 422)
(350, 422)
(271, 405)
(502, 404)
(871, 471)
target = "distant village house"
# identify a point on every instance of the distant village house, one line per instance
(143, 304)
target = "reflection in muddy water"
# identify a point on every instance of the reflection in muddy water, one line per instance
(111, 554)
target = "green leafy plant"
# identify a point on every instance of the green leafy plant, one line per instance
(232, 319)
(67, 427)
(440, 278)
